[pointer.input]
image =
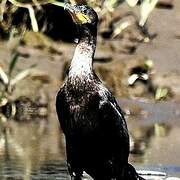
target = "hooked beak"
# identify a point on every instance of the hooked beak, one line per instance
(77, 16)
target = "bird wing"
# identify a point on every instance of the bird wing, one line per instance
(119, 111)
(115, 124)
(117, 137)
(61, 106)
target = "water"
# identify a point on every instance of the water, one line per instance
(52, 170)
(36, 149)
(32, 151)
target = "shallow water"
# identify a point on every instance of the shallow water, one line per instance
(36, 150)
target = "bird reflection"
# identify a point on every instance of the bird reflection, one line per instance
(29, 144)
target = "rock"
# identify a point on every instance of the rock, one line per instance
(172, 178)
(149, 175)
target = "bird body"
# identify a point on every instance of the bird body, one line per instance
(96, 133)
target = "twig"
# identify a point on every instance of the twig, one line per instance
(29, 6)
(33, 19)
(31, 13)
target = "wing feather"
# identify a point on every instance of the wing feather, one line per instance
(114, 118)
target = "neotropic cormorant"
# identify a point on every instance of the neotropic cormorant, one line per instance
(96, 133)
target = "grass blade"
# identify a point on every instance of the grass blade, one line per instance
(132, 3)
(4, 76)
(23, 74)
(13, 63)
(145, 9)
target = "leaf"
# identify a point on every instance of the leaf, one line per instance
(23, 74)
(4, 76)
(110, 5)
(57, 3)
(120, 28)
(161, 93)
(132, 79)
(13, 63)
(20, 76)
(31, 13)
(132, 3)
(33, 19)
(145, 9)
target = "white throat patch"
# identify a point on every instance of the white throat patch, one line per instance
(81, 64)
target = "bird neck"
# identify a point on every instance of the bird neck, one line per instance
(82, 62)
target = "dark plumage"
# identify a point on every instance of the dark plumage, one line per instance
(97, 139)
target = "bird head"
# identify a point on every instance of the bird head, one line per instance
(82, 14)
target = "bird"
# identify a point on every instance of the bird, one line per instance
(96, 133)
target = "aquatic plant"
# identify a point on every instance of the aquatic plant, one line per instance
(103, 7)
(30, 7)
(8, 81)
